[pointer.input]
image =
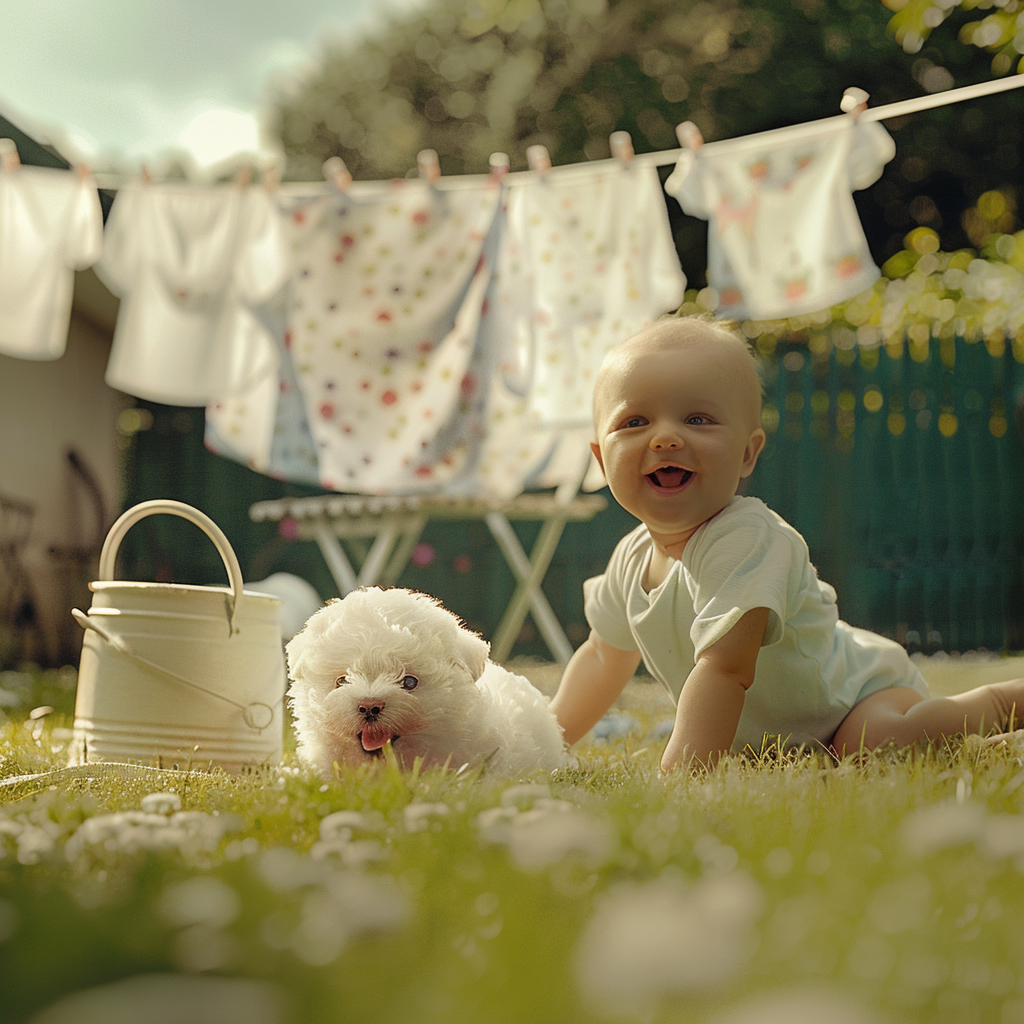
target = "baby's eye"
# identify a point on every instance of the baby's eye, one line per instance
(699, 420)
(410, 683)
(340, 680)
(635, 421)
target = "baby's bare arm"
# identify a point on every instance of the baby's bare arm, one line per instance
(712, 699)
(595, 676)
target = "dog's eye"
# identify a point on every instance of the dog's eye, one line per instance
(410, 683)
(340, 680)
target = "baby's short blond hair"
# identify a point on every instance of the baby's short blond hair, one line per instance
(674, 330)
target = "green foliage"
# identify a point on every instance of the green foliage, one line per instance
(990, 25)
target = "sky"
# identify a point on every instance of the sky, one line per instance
(115, 82)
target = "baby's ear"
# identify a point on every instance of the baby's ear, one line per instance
(470, 651)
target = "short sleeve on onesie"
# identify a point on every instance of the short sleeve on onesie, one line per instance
(733, 564)
(604, 597)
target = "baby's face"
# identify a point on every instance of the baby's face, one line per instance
(677, 427)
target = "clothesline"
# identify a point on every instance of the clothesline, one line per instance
(664, 158)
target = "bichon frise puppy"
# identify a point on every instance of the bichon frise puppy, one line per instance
(394, 666)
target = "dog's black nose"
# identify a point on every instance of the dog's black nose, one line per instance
(371, 711)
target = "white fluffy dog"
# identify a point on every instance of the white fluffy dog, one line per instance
(394, 666)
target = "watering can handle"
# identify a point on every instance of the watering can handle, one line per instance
(127, 520)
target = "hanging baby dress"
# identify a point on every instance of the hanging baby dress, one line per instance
(191, 264)
(784, 236)
(50, 225)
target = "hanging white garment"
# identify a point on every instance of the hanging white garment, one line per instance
(585, 259)
(190, 264)
(266, 427)
(784, 235)
(50, 225)
(596, 250)
(385, 303)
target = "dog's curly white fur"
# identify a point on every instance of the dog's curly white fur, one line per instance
(394, 666)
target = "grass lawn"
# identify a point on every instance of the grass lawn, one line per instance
(785, 888)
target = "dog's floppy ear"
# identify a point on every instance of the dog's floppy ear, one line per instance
(470, 651)
(310, 633)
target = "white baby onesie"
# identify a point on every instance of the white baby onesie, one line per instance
(189, 263)
(812, 668)
(50, 225)
(784, 236)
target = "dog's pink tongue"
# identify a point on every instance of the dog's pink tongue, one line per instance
(374, 739)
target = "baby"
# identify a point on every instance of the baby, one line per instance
(715, 592)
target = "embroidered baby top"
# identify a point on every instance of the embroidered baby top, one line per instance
(812, 667)
(784, 236)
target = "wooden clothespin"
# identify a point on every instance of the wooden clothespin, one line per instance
(689, 136)
(147, 175)
(499, 165)
(428, 165)
(243, 178)
(539, 159)
(622, 146)
(270, 178)
(335, 171)
(9, 159)
(854, 102)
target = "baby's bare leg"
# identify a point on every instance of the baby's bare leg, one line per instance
(900, 715)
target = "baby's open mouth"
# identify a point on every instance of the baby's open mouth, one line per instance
(373, 740)
(669, 477)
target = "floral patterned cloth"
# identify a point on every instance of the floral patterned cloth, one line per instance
(190, 263)
(50, 226)
(386, 293)
(785, 238)
(442, 339)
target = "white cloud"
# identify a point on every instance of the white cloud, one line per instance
(128, 79)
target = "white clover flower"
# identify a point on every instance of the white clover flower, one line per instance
(200, 900)
(943, 825)
(353, 853)
(525, 794)
(655, 939)
(161, 803)
(349, 905)
(341, 824)
(127, 832)
(550, 831)
(285, 870)
(417, 816)
(35, 844)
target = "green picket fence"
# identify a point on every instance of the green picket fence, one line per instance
(901, 466)
(904, 470)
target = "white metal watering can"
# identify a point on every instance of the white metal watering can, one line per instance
(178, 676)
